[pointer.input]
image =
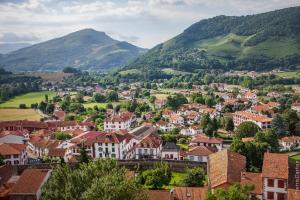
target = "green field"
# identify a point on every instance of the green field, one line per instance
(295, 157)
(289, 74)
(171, 71)
(19, 114)
(28, 99)
(100, 105)
(130, 71)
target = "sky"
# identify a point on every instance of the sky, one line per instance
(144, 23)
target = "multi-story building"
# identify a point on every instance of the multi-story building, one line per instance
(260, 120)
(199, 153)
(14, 154)
(275, 173)
(290, 142)
(121, 121)
(170, 151)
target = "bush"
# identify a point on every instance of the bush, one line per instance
(22, 106)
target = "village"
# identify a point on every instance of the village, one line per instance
(198, 125)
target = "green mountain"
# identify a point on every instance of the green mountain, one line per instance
(254, 42)
(85, 49)
(10, 47)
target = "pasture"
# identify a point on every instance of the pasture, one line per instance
(28, 99)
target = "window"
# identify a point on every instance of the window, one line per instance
(140, 151)
(16, 162)
(113, 150)
(99, 144)
(146, 151)
(106, 144)
(192, 158)
(280, 183)
(16, 156)
(270, 195)
(113, 155)
(151, 151)
(113, 144)
(270, 182)
(100, 155)
(280, 196)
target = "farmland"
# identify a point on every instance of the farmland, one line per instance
(18, 114)
(28, 99)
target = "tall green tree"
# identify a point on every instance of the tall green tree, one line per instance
(290, 118)
(246, 129)
(102, 179)
(234, 192)
(278, 125)
(194, 177)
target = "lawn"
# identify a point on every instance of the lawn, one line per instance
(91, 105)
(289, 74)
(28, 99)
(176, 179)
(295, 157)
(19, 114)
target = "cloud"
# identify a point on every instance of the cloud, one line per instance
(143, 22)
(9, 37)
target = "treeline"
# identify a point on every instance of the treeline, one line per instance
(12, 85)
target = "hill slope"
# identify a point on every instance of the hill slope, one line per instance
(9, 47)
(255, 42)
(86, 49)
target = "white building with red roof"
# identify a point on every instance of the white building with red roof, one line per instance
(275, 173)
(14, 154)
(122, 121)
(199, 153)
(203, 140)
(260, 120)
(290, 142)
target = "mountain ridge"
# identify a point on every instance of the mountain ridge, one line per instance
(80, 49)
(253, 42)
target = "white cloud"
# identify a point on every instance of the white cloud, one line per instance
(150, 21)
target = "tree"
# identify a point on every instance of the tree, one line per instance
(290, 118)
(246, 129)
(209, 130)
(158, 177)
(46, 98)
(229, 125)
(112, 96)
(79, 97)
(83, 157)
(205, 120)
(62, 136)
(99, 98)
(102, 179)
(278, 125)
(152, 99)
(194, 177)
(175, 101)
(42, 106)
(22, 106)
(234, 192)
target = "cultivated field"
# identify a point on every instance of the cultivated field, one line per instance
(51, 76)
(28, 99)
(19, 114)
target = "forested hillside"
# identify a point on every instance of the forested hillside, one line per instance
(255, 42)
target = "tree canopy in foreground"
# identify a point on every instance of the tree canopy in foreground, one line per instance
(101, 179)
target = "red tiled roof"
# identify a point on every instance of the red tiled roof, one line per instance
(30, 181)
(248, 139)
(152, 140)
(200, 151)
(252, 116)
(275, 165)
(290, 139)
(249, 178)
(11, 149)
(57, 152)
(225, 167)
(202, 138)
(158, 194)
(293, 194)
(189, 193)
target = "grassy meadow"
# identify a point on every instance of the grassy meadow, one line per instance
(28, 99)
(19, 114)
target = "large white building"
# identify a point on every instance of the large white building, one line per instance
(121, 121)
(260, 120)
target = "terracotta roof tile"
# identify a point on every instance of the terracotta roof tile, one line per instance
(30, 181)
(248, 178)
(225, 167)
(202, 138)
(158, 194)
(293, 194)
(200, 151)
(275, 165)
(11, 149)
(189, 193)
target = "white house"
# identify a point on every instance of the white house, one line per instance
(290, 142)
(149, 147)
(204, 140)
(275, 175)
(14, 154)
(165, 126)
(199, 153)
(170, 151)
(122, 121)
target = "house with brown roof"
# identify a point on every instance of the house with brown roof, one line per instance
(29, 184)
(188, 193)
(165, 126)
(203, 140)
(225, 168)
(199, 153)
(14, 154)
(170, 151)
(149, 147)
(255, 179)
(275, 173)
